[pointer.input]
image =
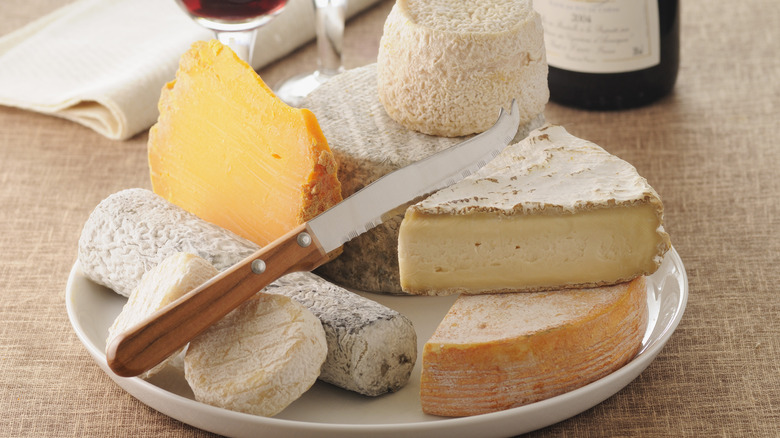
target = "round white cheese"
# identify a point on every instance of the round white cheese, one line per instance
(444, 67)
(259, 358)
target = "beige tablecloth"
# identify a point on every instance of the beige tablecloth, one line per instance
(710, 149)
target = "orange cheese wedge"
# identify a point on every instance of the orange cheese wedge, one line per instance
(226, 149)
(498, 351)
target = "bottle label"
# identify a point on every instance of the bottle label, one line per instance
(601, 36)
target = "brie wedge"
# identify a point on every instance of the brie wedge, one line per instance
(552, 211)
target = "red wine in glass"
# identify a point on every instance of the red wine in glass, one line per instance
(235, 22)
(233, 10)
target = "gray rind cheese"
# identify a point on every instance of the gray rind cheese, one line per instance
(368, 144)
(134, 230)
(372, 349)
(374, 363)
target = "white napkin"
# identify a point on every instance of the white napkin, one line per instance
(102, 63)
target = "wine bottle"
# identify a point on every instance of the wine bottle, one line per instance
(610, 54)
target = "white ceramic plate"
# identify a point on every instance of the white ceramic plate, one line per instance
(328, 411)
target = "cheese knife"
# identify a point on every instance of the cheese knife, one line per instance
(303, 248)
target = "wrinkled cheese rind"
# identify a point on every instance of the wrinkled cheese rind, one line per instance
(499, 351)
(444, 66)
(226, 149)
(259, 358)
(368, 144)
(134, 230)
(552, 211)
(166, 282)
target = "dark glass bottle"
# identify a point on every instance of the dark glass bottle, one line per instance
(586, 80)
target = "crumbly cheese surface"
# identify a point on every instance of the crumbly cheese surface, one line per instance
(444, 66)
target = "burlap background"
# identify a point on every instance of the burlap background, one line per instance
(711, 150)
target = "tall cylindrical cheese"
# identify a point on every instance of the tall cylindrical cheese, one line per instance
(371, 348)
(444, 67)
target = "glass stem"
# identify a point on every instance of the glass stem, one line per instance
(242, 42)
(329, 27)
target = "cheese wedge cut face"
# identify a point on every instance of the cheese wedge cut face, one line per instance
(498, 351)
(227, 150)
(552, 211)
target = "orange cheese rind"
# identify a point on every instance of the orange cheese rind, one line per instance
(226, 149)
(499, 351)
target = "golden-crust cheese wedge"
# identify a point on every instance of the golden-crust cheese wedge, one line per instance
(498, 351)
(226, 149)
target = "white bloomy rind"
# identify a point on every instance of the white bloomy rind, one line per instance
(552, 211)
(259, 358)
(549, 170)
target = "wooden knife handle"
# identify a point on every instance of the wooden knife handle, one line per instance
(170, 328)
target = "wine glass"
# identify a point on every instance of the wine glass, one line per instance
(329, 28)
(235, 22)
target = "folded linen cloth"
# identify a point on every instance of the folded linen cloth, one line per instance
(102, 63)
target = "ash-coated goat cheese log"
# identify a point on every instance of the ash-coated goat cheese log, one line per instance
(380, 354)
(371, 348)
(134, 230)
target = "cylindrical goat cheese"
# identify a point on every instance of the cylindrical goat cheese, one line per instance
(445, 67)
